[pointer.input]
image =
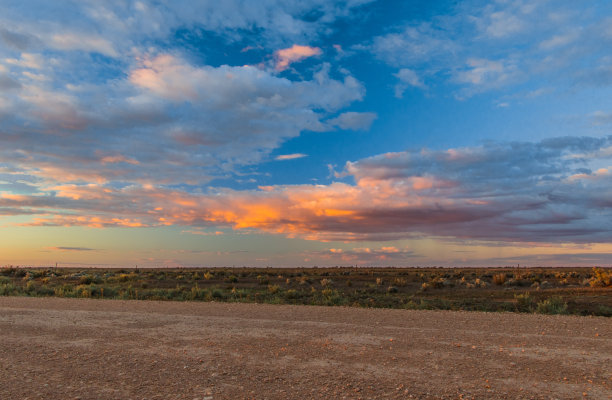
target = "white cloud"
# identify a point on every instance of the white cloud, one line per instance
(198, 121)
(27, 60)
(501, 24)
(559, 40)
(483, 74)
(601, 118)
(407, 78)
(413, 46)
(357, 121)
(474, 49)
(84, 42)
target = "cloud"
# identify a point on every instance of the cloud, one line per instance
(501, 24)
(474, 49)
(363, 255)
(198, 121)
(413, 46)
(116, 28)
(295, 53)
(356, 121)
(17, 40)
(7, 83)
(555, 190)
(601, 118)
(84, 42)
(63, 248)
(204, 233)
(27, 60)
(407, 78)
(293, 156)
(482, 74)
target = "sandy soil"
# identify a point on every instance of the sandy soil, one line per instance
(105, 349)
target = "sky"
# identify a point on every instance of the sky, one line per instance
(301, 133)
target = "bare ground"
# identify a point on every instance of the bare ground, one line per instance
(54, 348)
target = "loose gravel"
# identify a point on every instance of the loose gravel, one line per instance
(52, 348)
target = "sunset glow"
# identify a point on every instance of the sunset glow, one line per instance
(306, 133)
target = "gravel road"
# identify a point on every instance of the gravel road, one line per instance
(53, 348)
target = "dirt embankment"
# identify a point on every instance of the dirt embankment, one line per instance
(103, 349)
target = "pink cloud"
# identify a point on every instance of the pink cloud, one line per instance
(284, 157)
(295, 53)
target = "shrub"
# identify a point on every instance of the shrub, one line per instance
(231, 279)
(601, 278)
(6, 271)
(197, 293)
(604, 311)
(89, 279)
(326, 282)
(400, 282)
(552, 305)
(499, 279)
(379, 281)
(438, 282)
(480, 283)
(30, 286)
(8, 289)
(126, 277)
(19, 273)
(208, 276)
(392, 289)
(64, 291)
(44, 290)
(273, 289)
(83, 291)
(524, 302)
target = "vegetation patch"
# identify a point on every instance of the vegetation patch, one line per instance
(580, 291)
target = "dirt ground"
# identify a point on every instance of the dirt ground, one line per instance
(53, 348)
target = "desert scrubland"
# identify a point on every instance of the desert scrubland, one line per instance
(579, 291)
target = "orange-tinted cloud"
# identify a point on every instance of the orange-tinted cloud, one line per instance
(295, 53)
(476, 194)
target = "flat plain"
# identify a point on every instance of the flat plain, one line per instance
(579, 291)
(115, 349)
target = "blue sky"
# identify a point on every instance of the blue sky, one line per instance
(301, 133)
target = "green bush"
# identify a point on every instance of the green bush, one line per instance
(8, 289)
(44, 290)
(524, 302)
(8, 271)
(604, 311)
(552, 305)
